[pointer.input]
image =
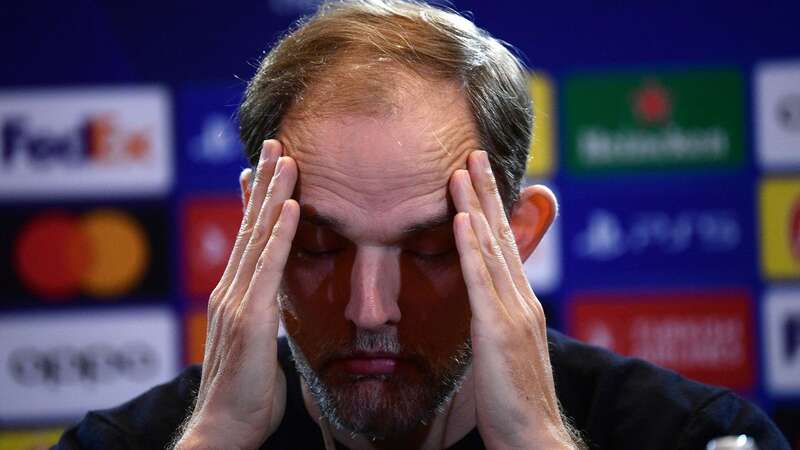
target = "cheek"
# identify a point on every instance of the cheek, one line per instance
(317, 290)
(434, 303)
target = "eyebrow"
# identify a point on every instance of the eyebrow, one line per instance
(322, 220)
(429, 224)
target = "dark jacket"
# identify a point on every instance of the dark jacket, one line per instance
(616, 403)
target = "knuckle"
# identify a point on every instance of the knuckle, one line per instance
(247, 226)
(490, 248)
(218, 313)
(276, 231)
(274, 183)
(260, 233)
(244, 228)
(219, 296)
(534, 317)
(489, 185)
(228, 314)
(497, 252)
(270, 191)
(503, 232)
(218, 292)
(215, 298)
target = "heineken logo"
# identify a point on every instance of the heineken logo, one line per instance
(600, 147)
(654, 121)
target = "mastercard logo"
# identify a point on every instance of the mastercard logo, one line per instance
(102, 253)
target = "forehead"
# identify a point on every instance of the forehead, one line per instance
(378, 173)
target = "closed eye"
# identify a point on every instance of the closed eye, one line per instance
(317, 253)
(433, 254)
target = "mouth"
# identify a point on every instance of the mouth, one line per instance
(370, 364)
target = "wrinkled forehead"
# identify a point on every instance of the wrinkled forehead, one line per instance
(379, 173)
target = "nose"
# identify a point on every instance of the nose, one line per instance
(374, 289)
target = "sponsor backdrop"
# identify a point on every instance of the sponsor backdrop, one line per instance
(670, 133)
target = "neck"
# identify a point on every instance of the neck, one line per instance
(456, 421)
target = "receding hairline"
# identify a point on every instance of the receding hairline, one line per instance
(380, 89)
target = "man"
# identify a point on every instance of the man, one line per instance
(385, 225)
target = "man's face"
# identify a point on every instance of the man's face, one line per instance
(373, 298)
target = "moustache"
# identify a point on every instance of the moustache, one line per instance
(367, 343)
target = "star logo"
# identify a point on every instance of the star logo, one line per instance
(652, 104)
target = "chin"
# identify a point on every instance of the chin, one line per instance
(380, 407)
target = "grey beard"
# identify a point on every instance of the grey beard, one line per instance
(417, 405)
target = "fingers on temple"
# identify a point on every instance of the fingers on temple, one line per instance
(488, 197)
(271, 150)
(260, 300)
(280, 189)
(488, 246)
(480, 286)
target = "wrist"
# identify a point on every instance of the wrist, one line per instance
(209, 434)
(196, 441)
(549, 438)
(563, 438)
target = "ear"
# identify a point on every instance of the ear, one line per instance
(531, 217)
(245, 180)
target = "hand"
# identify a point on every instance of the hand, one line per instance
(243, 389)
(515, 397)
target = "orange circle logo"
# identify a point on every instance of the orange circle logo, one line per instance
(102, 253)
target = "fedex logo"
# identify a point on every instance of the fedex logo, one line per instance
(85, 142)
(98, 140)
(781, 325)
